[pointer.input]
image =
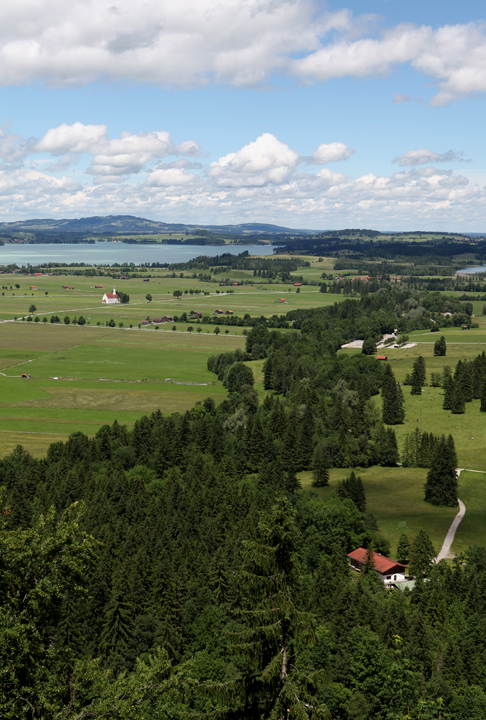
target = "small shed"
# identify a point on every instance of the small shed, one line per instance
(381, 357)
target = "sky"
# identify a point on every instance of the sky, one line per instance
(303, 113)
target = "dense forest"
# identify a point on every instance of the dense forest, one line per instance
(178, 570)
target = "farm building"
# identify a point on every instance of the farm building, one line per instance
(218, 312)
(298, 284)
(381, 357)
(388, 570)
(99, 287)
(33, 287)
(67, 287)
(111, 298)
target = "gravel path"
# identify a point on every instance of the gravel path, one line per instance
(445, 551)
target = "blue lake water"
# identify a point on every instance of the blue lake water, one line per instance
(472, 270)
(104, 253)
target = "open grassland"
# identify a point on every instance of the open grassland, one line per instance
(394, 495)
(84, 299)
(102, 374)
(472, 530)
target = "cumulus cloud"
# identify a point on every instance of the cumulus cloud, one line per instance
(112, 157)
(76, 138)
(330, 152)
(425, 156)
(455, 56)
(194, 42)
(263, 179)
(265, 161)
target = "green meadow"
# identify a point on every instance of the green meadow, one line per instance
(85, 377)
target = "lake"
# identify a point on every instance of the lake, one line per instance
(472, 270)
(109, 253)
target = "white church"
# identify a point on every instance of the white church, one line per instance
(111, 298)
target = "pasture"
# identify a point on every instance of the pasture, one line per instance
(85, 377)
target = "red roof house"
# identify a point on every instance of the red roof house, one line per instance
(381, 357)
(390, 571)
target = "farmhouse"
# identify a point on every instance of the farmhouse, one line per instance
(388, 570)
(111, 298)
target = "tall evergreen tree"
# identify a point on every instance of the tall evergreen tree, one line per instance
(320, 466)
(422, 554)
(393, 412)
(418, 376)
(403, 548)
(441, 483)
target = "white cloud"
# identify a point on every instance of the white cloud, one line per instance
(170, 177)
(76, 138)
(425, 156)
(330, 152)
(263, 180)
(265, 161)
(194, 42)
(127, 154)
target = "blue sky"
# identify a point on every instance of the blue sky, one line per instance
(301, 113)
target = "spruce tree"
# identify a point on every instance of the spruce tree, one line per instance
(403, 548)
(320, 466)
(441, 483)
(448, 393)
(458, 405)
(421, 554)
(393, 412)
(440, 347)
(418, 376)
(483, 398)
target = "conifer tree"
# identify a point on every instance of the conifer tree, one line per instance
(393, 412)
(403, 548)
(421, 554)
(440, 347)
(449, 393)
(458, 405)
(441, 483)
(483, 397)
(418, 376)
(320, 466)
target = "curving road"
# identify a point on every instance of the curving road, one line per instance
(445, 551)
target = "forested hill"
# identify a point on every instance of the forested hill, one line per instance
(177, 570)
(115, 225)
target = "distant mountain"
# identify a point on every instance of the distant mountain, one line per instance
(123, 224)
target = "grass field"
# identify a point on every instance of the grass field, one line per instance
(102, 374)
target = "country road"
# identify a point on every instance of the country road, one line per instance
(445, 551)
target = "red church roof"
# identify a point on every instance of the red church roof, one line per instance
(382, 564)
(111, 295)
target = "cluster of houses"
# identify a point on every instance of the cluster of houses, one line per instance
(390, 571)
(222, 312)
(67, 287)
(157, 321)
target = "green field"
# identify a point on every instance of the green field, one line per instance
(102, 374)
